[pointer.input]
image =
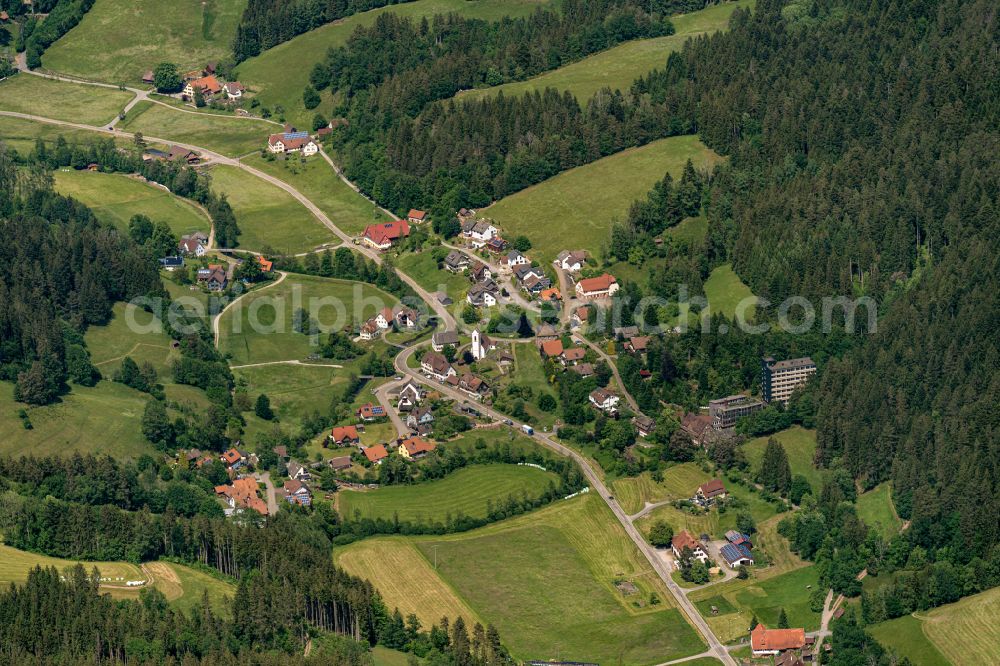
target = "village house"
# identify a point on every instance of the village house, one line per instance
(466, 213)
(478, 271)
(266, 265)
(479, 232)
(571, 261)
(604, 400)
(405, 317)
(583, 369)
(469, 384)
(422, 416)
(345, 436)
(234, 90)
(297, 470)
(525, 271)
(765, 642)
(233, 459)
(375, 454)
(437, 366)
(496, 245)
(292, 142)
(644, 425)
(483, 294)
(550, 295)
(599, 287)
(482, 345)
(208, 85)
(242, 494)
(442, 339)
(409, 396)
(383, 235)
(580, 316)
(535, 285)
(551, 348)
(546, 332)
(415, 448)
(416, 216)
(369, 412)
(682, 540)
(296, 492)
(698, 427)
(370, 330)
(711, 491)
(340, 463)
(514, 259)
(384, 318)
(456, 261)
(179, 154)
(573, 355)
(638, 344)
(193, 244)
(625, 332)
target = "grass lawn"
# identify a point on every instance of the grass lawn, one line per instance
(115, 198)
(763, 598)
(118, 40)
(966, 632)
(295, 392)
(229, 135)
(109, 344)
(184, 586)
(618, 67)
(529, 370)
(316, 179)
(280, 74)
(422, 268)
(586, 199)
(876, 509)
(800, 445)
(906, 637)
(104, 419)
(332, 303)
(61, 100)
(15, 565)
(466, 491)
(725, 291)
(679, 481)
(405, 579)
(691, 230)
(21, 134)
(267, 215)
(383, 656)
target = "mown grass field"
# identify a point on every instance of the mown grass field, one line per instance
(529, 370)
(800, 445)
(316, 179)
(184, 587)
(965, 632)
(906, 637)
(559, 562)
(422, 268)
(467, 491)
(228, 135)
(691, 230)
(582, 202)
(337, 303)
(267, 215)
(61, 100)
(21, 134)
(618, 67)
(104, 419)
(15, 565)
(876, 509)
(109, 344)
(118, 40)
(725, 292)
(679, 481)
(295, 391)
(280, 74)
(115, 198)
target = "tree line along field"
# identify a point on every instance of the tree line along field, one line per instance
(61, 100)
(558, 562)
(115, 198)
(118, 40)
(800, 445)
(466, 491)
(273, 308)
(583, 202)
(267, 215)
(21, 134)
(280, 74)
(618, 67)
(875, 507)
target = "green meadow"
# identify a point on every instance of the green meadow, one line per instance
(118, 40)
(726, 292)
(61, 100)
(232, 136)
(876, 509)
(21, 134)
(583, 202)
(800, 445)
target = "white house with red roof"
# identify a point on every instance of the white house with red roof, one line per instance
(383, 235)
(292, 142)
(208, 85)
(416, 216)
(598, 287)
(764, 641)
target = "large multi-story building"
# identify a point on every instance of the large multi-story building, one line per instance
(780, 378)
(726, 411)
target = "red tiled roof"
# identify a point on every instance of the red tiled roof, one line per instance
(682, 540)
(415, 214)
(376, 453)
(762, 638)
(387, 232)
(231, 456)
(551, 294)
(345, 433)
(591, 285)
(712, 488)
(290, 143)
(552, 347)
(209, 83)
(574, 354)
(265, 264)
(415, 446)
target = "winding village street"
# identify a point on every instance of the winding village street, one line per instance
(715, 647)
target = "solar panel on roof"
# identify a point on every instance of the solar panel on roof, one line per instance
(296, 135)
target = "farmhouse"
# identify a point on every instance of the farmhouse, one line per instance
(644, 425)
(442, 339)
(683, 540)
(415, 448)
(376, 454)
(384, 318)
(571, 261)
(382, 236)
(208, 85)
(242, 494)
(214, 277)
(456, 261)
(405, 317)
(369, 330)
(711, 490)
(178, 154)
(764, 641)
(340, 462)
(296, 492)
(604, 400)
(483, 294)
(736, 556)
(292, 142)
(369, 412)
(344, 436)
(193, 244)
(738, 539)
(416, 216)
(638, 344)
(436, 366)
(598, 287)
(234, 90)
